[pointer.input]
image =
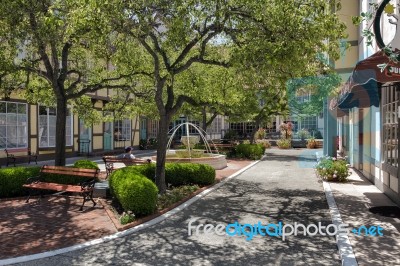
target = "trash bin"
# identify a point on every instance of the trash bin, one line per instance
(84, 146)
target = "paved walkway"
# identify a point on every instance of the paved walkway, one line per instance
(55, 222)
(353, 200)
(283, 187)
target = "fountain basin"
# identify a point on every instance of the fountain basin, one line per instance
(216, 161)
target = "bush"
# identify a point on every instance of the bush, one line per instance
(250, 151)
(265, 143)
(192, 154)
(12, 179)
(175, 195)
(134, 191)
(230, 134)
(303, 134)
(332, 169)
(143, 144)
(86, 164)
(260, 134)
(284, 143)
(178, 174)
(153, 143)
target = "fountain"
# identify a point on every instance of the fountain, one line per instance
(192, 155)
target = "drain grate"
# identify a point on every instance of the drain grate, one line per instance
(387, 211)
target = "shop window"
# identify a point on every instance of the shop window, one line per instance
(390, 98)
(47, 127)
(13, 125)
(122, 130)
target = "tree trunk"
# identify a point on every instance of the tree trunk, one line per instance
(253, 133)
(204, 119)
(61, 121)
(161, 154)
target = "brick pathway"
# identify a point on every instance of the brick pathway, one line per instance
(55, 221)
(51, 223)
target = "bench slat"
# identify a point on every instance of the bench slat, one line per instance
(54, 186)
(70, 169)
(88, 175)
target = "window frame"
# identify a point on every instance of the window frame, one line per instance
(16, 125)
(39, 137)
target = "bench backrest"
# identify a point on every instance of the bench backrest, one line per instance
(26, 150)
(115, 159)
(62, 170)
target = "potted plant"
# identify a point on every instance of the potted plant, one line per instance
(311, 143)
(303, 134)
(284, 143)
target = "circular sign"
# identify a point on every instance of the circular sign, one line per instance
(389, 9)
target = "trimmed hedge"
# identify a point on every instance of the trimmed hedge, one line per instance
(250, 151)
(178, 174)
(134, 191)
(86, 164)
(12, 179)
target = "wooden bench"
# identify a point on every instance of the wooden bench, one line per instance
(11, 157)
(110, 160)
(219, 146)
(84, 188)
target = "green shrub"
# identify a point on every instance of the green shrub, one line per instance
(250, 151)
(126, 218)
(134, 191)
(12, 179)
(86, 164)
(178, 174)
(265, 143)
(284, 143)
(332, 169)
(186, 154)
(175, 195)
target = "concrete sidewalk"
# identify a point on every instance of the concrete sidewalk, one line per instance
(353, 200)
(279, 188)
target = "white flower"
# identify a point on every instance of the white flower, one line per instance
(335, 172)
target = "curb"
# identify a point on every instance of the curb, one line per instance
(342, 241)
(128, 231)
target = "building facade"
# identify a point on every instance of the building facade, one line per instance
(24, 125)
(367, 112)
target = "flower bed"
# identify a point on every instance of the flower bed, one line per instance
(333, 169)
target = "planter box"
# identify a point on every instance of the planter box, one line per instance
(298, 143)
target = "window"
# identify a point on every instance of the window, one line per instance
(153, 129)
(216, 125)
(242, 129)
(47, 127)
(390, 97)
(122, 130)
(13, 125)
(309, 123)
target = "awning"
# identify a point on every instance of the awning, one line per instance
(361, 89)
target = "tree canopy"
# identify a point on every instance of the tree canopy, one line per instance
(154, 47)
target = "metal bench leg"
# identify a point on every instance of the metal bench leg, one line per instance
(86, 197)
(29, 196)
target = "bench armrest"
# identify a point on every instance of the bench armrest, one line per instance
(87, 185)
(33, 179)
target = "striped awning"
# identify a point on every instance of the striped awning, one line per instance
(362, 88)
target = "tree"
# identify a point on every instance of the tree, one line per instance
(306, 95)
(286, 35)
(63, 45)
